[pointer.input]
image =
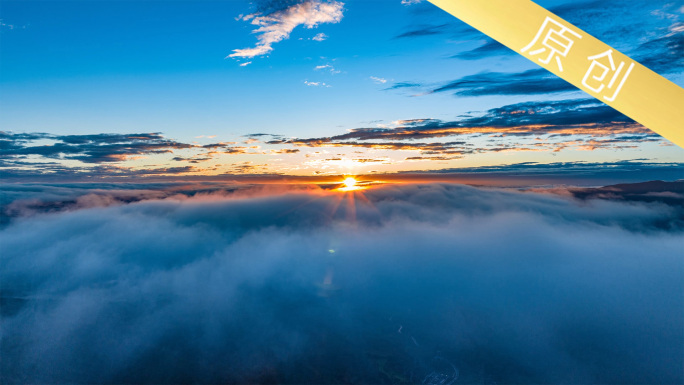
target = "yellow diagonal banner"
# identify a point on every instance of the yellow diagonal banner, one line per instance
(579, 58)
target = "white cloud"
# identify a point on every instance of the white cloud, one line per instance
(316, 84)
(5, 25)
(320, 37)
(278, 25)
(245, 64)
(328, 67)
(675, 29)
(378, 80)
(410, 2)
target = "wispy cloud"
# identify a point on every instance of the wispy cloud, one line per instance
(488, 49)
(378, 80)
(197, 158)
(5, 25)
(424, 30)
(664, 54)
(400, 85)
(316, 84)
(327, 67)
(319, 37)
(277, 26)
(531, 82)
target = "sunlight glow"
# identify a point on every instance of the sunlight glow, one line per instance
(350, 184)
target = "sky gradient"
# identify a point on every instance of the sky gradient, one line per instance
(305, 88)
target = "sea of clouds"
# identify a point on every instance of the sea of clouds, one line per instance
(394, 284)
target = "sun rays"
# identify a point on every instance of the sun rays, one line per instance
(350, 184)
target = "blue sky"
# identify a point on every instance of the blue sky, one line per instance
(134, 67)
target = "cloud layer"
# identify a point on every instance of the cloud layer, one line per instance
(541, 126)
(405, 283)
(581, 124)
(103, 155)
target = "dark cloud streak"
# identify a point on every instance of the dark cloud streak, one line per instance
(531, 82)
(97, 148)
(580, 123)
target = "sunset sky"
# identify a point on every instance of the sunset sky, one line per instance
(330, 192)
(177, 88)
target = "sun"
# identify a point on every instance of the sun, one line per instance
(349, 183)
